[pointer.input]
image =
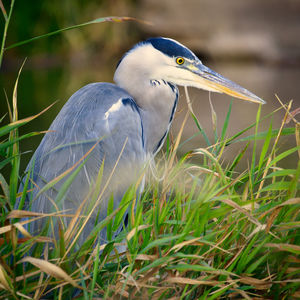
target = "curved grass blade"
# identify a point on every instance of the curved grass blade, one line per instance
(50, 269)
(5, 145)
(9, 127)
(98, 20)
(6, 24)
(226, 122)
(232, 139)
(264, 148)
(263, 135)
(283, 155)
(13, 150)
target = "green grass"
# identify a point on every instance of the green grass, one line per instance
(204, 231)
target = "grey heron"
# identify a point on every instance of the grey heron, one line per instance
(122, 125)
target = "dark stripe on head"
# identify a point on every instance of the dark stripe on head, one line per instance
(166, 46)
(170, 47)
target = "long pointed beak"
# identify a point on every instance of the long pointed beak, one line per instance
(212, 81)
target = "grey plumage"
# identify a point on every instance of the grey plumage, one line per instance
(100, 114)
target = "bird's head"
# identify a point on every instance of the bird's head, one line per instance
(166, 59)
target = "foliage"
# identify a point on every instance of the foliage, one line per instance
(202, 231)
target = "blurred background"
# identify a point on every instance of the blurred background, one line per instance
(252, 42)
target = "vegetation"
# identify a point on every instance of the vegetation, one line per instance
(202, 231)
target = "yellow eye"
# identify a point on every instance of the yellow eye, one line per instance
(180, 60)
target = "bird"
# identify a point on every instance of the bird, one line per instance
(111, 130)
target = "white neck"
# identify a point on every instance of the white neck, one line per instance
(156, 98)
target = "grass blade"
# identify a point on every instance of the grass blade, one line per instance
(50, 269)
(98, 20)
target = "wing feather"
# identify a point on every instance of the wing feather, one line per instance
(101, 115)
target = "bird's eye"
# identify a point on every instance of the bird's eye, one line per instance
(179, 60)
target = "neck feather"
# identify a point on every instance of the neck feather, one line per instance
(157, 100)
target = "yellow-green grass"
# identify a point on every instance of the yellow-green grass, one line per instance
(202, 231)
